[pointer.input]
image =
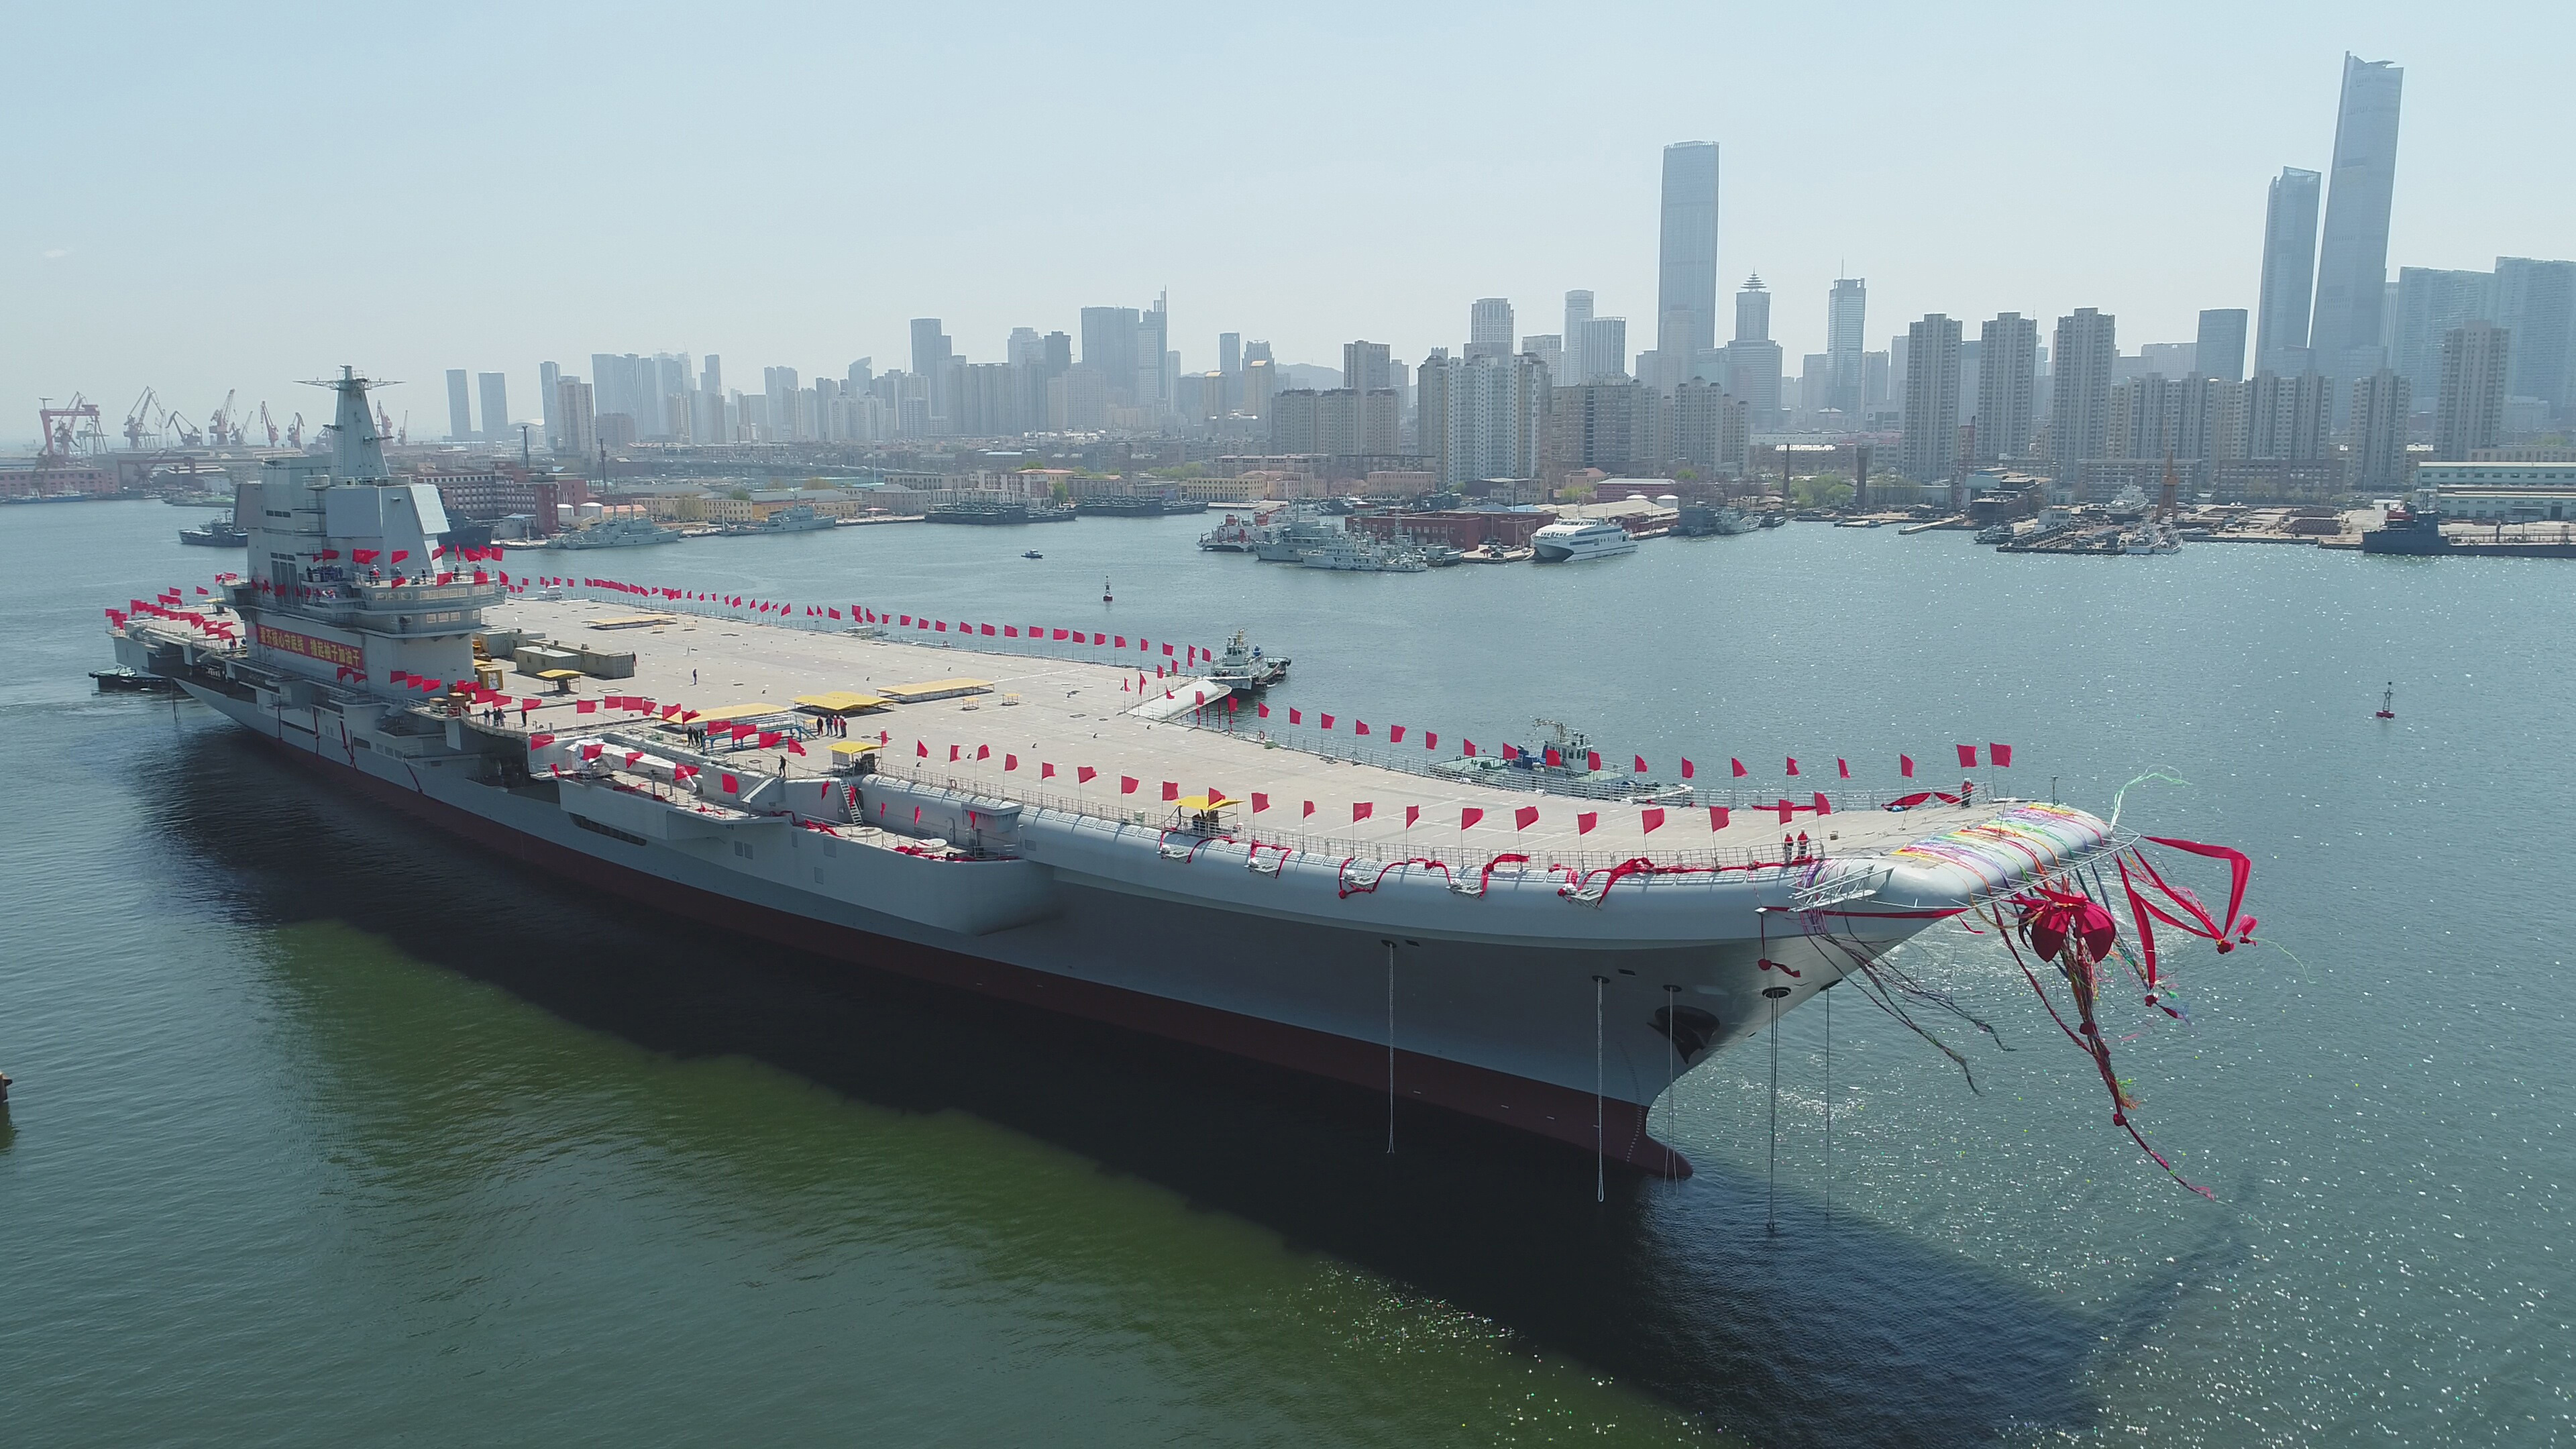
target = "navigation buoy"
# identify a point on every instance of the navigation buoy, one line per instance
(2387, 702)
(1104, 592)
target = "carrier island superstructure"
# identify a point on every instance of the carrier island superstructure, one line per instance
(1555, 976)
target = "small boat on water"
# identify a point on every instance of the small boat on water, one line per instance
(1033, 553)
(122, 680)
(216, 533)
(1244, 668)
(1995, 533)
(1355, 554)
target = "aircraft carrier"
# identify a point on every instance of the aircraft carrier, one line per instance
(1077, 834)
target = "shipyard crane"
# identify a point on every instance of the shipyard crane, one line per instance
(137, 426)
(221, 424)
(56, 426)
(384, 423)
(189, 437)
(295, 433)
(268, 424)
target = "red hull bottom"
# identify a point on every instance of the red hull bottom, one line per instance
(1540, 1108)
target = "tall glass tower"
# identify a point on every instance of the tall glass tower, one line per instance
(1686, 290)
(2352, 261)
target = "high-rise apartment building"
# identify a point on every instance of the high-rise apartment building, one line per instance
(2219, 351)
(460, 415)
(1482, 417)
(2380, 404)
(2352, 258)
(494, 390)
(1229, 353)
(1489, 329)
(1260, 385)
(1846, 327)
(1712, 431)
(2081, 358)
(1549, 349)
(1929, 448)
(574, 416)
(1751, 367)
(2536, 302)
(2007, 386)
(1686, 273)
(1577, 334)
(1365, 366)
(2289, 272)
(2468, 412)
(2288, 418)
(1605, 348)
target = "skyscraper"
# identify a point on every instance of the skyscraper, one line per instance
(1752, 370)
(1577, 334)
(1686, 277)
(1156, 366)
(1930, 445)
(1229, 353)
(2430, 302)
(2079, 415)
(460, 416)
(2007, 386)
(2536, 302)
(1605, 348)
(2469, 411)
(495, 395)
(2220, 350)
(2289, 271)
(548, 374)
(1489, 328)
(930, 354)
(2380, 403)
(1549, 349)
(1846, 318)
(573, 415)
(2352, 261)
(1483, 417)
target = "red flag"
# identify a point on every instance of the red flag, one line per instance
(591, 751)
(955, 752)
(1584, 822)
(1688, 769)
(1360, 726)
(2001, 755)
(587, 706)
(1967, 757)
(987, 628)
(1411, 814)
(1468, 817)
(1823, 805)
(1840, 768)
(1786, 811)
(920, 750)
(983, 752)
(1471, 749)
(1261, 710)
(1524, 817)
(939, 626)
(1099, 638)
(1010, 631)
(1362, 810)
(1717, 817)
(540, 740)
(1905, 764)
(1260, 802)
(1592, 759)
(1793, 764)
(1082, 774)
(1171, 791)
(1045, 770)
(1739, 768)
(1553, 758)
(836, 613)
(1296, 716)
(1395, 734)
(1010, 762)
(731, 785)
(1167, 649)
(1126, 784)
(1641, 764)
(400, 554)
(1310, 808)
(1328, 721)
(1650, 819)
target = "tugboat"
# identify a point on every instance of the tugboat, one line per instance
(1244, 668)
(216, 533)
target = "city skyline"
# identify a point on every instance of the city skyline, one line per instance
(648, 278)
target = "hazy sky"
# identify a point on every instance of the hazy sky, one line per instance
(211, 197)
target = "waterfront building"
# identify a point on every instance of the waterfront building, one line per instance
(2007, 386)
(2082, 356)
(2468, 412)
(460, 417)
(2220, 349)
(2352, 257)
(1482, 417)
(1686, 274)
(2536, 302)
(2289, 272)
(1489, 333)
(1928, 450)
(1712, 431)
(2380, 404)
(2501, 491)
